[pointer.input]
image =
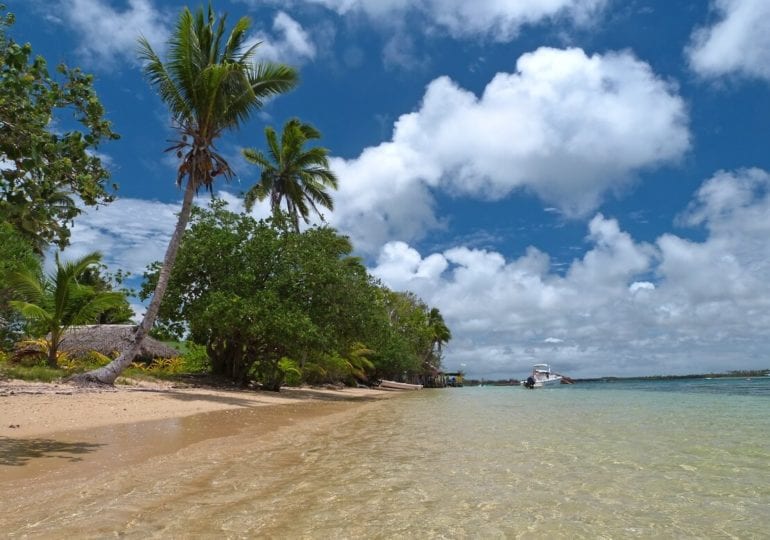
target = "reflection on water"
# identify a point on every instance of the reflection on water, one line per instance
(455, 463)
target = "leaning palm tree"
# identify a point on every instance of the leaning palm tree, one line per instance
(55, 303)
(210, 84)
(291, 174)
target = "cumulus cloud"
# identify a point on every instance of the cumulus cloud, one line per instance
(704, 305)
(132, 233)
(737, 43)
(291, 44)
(95, 19)
(497, 19)
(569, 127)
(109, 35)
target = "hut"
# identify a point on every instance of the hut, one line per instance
(109, 339)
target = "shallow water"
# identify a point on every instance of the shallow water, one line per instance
(619, 460)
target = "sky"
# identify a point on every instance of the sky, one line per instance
(584, 183)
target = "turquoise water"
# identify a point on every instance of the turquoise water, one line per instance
(667, 459)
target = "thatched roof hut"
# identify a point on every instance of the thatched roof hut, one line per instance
(109, 339)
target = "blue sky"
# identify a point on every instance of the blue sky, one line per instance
(578, 182)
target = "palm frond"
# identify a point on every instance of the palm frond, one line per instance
(95, 306)
(28, 285)
(33, 312)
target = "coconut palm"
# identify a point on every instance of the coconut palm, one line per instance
(292, 174)
(439, 332)
(54, 303)
(210, 84)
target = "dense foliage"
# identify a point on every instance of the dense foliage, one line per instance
(17, 256)
(268, 302)
(50, 129)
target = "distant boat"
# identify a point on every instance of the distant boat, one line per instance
(541, 376)
(393, 385)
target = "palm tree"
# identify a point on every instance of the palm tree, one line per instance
(57, 302)
(439, 332)
(210, 84)
(292, 174)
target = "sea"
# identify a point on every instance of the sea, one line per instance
(687, 458)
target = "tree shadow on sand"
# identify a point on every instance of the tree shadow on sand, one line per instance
(17, 452)
(232, 396)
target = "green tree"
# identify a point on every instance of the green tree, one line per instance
(210, 85)
(52, 304)
(257, 295)
(17, 255)
(411, 337)
(44, 168)
(292, 174)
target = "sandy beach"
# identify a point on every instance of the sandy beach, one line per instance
(38, 409)
(130, 451)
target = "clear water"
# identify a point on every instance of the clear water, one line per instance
(667, 459)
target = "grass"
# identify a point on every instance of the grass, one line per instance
(31, 373)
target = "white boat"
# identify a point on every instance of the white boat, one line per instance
(541, 376)
(393, 385)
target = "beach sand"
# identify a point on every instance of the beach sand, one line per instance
(37, 409)
(130, 453)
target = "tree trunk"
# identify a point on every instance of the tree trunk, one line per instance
(52, 357)
(53, 349)
(110, 372)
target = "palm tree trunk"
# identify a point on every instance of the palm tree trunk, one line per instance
(52, 363)
(110, 372)
(53, 348)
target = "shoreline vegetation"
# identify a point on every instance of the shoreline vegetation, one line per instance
(259, 302)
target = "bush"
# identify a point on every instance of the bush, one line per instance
(292, 376)
(196, 359)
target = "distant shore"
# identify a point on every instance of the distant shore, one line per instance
(37, 409)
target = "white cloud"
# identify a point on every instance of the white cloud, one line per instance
(708, 308)
(738, 43)
(131, 232)
(567, 126)
(497, 19)
(292, 45)
(108, 35)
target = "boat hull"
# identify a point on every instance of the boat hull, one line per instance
(553, 381)
(393, 385)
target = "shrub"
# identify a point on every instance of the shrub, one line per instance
(33, 352)
(196, 359)
(292, 376)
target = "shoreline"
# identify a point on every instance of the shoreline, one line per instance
(43, 409)
(52, 433)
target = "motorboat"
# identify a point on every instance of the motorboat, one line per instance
(542, 376)
(393, 385)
